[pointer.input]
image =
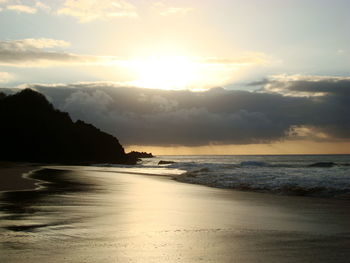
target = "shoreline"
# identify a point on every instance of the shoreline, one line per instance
(99, 216)
(13, 176)
(178, 178)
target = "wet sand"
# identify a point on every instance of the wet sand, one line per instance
(99, 215)
(11, 176)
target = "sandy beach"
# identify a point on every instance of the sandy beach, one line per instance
(99, 215)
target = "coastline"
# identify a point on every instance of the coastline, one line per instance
(12, 176)
(100, 215)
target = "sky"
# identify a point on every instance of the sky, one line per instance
(189, 77)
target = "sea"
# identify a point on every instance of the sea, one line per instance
(307, 175)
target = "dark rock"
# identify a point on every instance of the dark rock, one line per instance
(323, 164)
(135, 154)
(32, 130)
(165, 162)
(135, 157)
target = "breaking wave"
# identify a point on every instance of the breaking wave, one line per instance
(307, 178)
(324, 176)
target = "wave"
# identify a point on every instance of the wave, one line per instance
(324, 179)
(253, 164)
(281, 176)
(292, 181)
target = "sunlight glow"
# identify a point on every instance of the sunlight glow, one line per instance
(165, 72)
(171, 70)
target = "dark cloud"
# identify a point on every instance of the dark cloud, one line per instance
(333, 86)
(33, 52)
(306, 85)
(219, 116)
(329, 99)
(259, 82)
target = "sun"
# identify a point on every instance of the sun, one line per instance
(167, 72)
(174, 71)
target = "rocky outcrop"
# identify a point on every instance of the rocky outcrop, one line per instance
(139, 155)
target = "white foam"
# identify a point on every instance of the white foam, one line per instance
(275, 174)
(303, 181)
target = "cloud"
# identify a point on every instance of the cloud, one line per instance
(42, 6)
(33, 53)
(33, 43)
(83, 10)
(298, 85)
(22, 9)
(246, 59)
(84, 103)
(218, 116)
(5, 77)
(166, 10)
(196, 73)
(21, 6)
(89, 10)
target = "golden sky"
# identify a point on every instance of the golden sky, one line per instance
(283, 67)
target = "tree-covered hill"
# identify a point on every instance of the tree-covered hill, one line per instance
(32, 130)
